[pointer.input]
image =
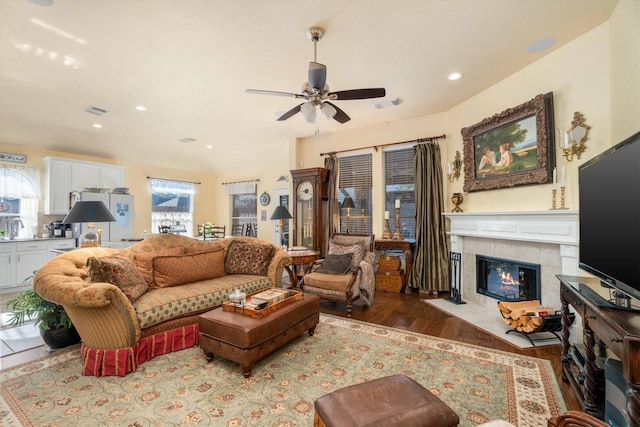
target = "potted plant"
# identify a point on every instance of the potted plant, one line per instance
(56, 328)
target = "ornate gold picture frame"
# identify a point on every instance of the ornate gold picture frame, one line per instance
(511, 148)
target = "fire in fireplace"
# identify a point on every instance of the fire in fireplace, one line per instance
(505, 279)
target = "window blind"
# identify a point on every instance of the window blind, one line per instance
(355, 180)
(399, 185)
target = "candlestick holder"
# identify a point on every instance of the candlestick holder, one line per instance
(553, 199)
(397, 235)
(562, 198)
(386, 234)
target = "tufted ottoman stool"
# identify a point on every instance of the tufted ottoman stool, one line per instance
(390, 401)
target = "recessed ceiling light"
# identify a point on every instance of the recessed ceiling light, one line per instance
(97, 125)
(455, 76)
(187, 140)
(141, 108)
(209, 146)
(541, 44)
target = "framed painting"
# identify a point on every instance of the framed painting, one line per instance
(511, 148)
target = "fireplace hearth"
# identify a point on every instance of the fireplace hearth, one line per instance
(505, 279)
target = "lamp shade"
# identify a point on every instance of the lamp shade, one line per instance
(347, 203)
(281, 213)
(89, 211)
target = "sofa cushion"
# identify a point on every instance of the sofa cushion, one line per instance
(356, 249)
(335, 264)
(163, 304)
(144, 261)
(118, 270)
(180, 269)
(249, 258)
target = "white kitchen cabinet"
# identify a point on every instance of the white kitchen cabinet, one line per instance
(7, 265)
(31, 255)
(84, 175)
(62, 176)
(57, 186)
(60, 244)
(20, 258)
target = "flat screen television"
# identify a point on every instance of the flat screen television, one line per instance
(609, 209)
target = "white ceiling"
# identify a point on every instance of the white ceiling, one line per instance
(190, 61)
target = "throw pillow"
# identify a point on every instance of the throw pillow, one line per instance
(354, 248)
(120, 271)
(248, 258)
(335, 264)
(144, 261)
(181, 269)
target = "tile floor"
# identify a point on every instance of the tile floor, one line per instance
(15, 340)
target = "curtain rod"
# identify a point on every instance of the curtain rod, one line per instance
(375, 147)
(175, 180)
(240, 182)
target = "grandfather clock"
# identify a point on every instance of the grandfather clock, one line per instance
(310, 207)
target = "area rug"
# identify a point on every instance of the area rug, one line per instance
(491, 321)
(182, 388)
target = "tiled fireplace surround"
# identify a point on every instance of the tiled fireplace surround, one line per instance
(548, 238)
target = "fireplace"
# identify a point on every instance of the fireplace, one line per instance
(505, 279)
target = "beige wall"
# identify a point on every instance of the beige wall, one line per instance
(580, 76)
(625, 69)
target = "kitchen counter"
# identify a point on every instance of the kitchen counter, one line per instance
(31, 239)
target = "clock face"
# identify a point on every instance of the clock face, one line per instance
(305, 190)
(265, 199)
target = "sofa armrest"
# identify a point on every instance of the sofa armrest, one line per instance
(280, 260)
(100, 312)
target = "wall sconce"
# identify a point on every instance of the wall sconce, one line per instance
(453, 169)
(573, 140)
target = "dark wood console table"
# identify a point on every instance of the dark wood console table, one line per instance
(617, 330)
(402, 245)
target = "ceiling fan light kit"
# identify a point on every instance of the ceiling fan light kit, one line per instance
(317, 93)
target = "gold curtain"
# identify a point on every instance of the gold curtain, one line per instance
(430, 272)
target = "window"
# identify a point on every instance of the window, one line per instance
(398, 185)
(172, 205)
(355, 181)
(245, 210)
(244, 205)
(19, 193)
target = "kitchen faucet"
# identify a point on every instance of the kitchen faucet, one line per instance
(13, 227)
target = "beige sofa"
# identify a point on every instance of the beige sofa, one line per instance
(120, 330)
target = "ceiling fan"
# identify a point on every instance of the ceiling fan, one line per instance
(317, 92)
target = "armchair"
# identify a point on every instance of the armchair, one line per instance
(347, 273)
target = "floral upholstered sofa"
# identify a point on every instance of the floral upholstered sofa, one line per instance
(130, 305)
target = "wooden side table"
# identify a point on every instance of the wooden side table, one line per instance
(405, 246)
(300, 258)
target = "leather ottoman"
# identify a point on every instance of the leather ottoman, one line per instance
(390, 401)
(244, 339)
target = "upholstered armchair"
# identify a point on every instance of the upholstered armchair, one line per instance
(347, 273)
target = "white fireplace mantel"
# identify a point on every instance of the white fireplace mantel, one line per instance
(552, 226)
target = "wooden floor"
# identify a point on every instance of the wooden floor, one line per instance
(404, 311)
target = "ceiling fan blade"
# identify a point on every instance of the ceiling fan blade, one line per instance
(343, 95)
(317, 75)
(276, 93)
(290, 113)
(340, 116)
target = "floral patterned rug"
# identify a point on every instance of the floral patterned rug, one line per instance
(181, 388)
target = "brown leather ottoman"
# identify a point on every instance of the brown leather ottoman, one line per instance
(244, 339)
(390, 401)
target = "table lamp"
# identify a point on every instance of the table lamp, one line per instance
(89, 211)
(281, 213)
(348, 204)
